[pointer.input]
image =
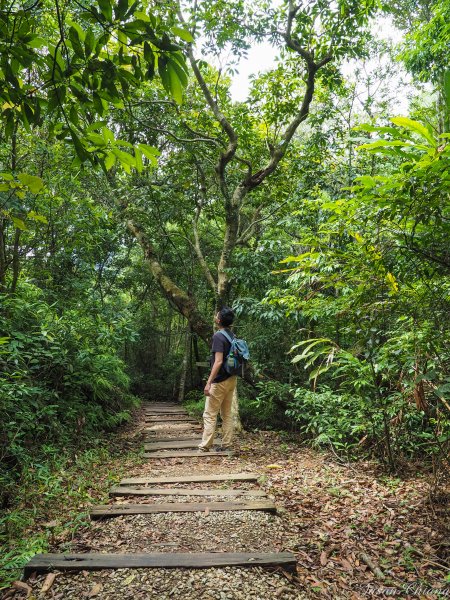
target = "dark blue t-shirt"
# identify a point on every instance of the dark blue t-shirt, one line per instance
(221, 344)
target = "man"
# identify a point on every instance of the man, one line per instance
(220, 386)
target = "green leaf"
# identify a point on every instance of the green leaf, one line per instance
(142, 16)
(176, 87)
(138, 157)
(124, 157)
(380, 144)
(106, 8)
(37, 42)
(120, 9)
(416, 127)
(150, 152)
(110, 161)
(78, 29)
(89, 43)
(79, 149)
(180, 72)
(36, 217)
(19, 224)
(182, 33)
(34, 184)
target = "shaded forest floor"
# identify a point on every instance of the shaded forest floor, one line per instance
(356, 532)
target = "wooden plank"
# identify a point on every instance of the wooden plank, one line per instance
(187, 429)
(183, 438)
(133, 491)
(42, 563)
(170, 419)
(115, 510)
(191, 478)
(175, 444)
(166, 411)
(162, 405)
(186, 454)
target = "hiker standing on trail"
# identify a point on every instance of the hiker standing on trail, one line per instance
(220, 386)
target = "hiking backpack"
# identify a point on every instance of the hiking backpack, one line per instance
(238, 355)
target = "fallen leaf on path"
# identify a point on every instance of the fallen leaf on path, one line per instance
(274, 467)
(21, 585)
(95, 590)
(48, 582)
(129, 579)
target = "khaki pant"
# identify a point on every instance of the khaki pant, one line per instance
(219, 400)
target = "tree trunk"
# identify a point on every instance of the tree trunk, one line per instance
(235, 413)
(15, 261)
(2, 256)
(184, 366)
(175, 295)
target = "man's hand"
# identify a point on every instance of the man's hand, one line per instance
(207, 389)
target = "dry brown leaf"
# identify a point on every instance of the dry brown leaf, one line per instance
(323, 558)
(95, 590)
(347, 566)
(48, 582)
(21, 585)
(206, 511)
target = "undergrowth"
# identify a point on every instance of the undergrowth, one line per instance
(52, 499)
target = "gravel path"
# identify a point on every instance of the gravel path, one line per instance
(236, 531)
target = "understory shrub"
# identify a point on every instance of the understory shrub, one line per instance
(60, 379)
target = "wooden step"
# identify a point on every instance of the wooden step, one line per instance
(184, 438)
(170, 419)
(190, 478)
(168, 411)
(189, 429)
(186, 454)
(175, 444)
(148, 491)
(115, 510)
(42, 563)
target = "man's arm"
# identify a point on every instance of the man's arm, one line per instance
(218, 360)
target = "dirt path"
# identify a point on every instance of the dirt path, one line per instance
(355, 534)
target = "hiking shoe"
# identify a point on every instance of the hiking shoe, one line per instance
(223, 448)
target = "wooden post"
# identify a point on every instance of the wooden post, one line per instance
(184, 366)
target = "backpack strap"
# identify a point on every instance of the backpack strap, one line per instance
(227, 335)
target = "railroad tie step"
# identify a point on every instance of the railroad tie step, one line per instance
(122, 490)
(190, 478)
(115, 510)
(187, 454)
(42, 563)
(175, 444)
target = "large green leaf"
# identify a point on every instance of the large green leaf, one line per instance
(416, 127)
(33, 183)
(183, 34)
(106, 9)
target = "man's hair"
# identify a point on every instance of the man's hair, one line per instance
(226, 316)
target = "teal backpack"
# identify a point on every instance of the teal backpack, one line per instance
(238, 355)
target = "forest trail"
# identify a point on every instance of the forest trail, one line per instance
(218, 505)
(354, 532)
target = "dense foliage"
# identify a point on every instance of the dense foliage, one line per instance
(137, 196)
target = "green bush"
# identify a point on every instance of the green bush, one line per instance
(60, 379)
(194, 402)
(267, 410)
(329, 418)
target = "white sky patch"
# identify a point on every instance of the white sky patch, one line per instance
(261, 58)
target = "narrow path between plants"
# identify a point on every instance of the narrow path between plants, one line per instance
(355, 534)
